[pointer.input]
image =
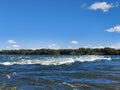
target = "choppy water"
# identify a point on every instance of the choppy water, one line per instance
(47, 72)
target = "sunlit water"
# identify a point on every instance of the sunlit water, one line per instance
(47, 72)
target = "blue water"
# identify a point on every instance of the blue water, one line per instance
(62, 72)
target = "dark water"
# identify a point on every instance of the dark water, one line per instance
(59, 72)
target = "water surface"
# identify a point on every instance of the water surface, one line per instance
(62, 72)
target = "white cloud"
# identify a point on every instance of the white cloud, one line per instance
(95, 46)
(11, 41)
(114, 29)
(53, 46)
(16, 47)
(12, 44)
(8, 47)
(104, 6)
(74, 42)
(116, 46)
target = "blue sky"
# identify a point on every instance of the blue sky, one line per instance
(59, 23)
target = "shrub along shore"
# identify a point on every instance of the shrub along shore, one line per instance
(80, 51)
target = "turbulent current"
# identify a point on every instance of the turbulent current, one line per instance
(59, 72)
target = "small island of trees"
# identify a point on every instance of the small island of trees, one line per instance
(80, 51)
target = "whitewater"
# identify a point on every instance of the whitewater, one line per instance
(52, 60)
(60, 72)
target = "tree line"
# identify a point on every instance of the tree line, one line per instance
(80, 51)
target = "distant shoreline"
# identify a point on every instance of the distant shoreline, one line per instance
(80, 51)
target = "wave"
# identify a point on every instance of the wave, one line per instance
(56, 60)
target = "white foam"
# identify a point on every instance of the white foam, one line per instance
(57, 60)
(75, 86)
(6, 63)
(68, 84)
(8, 76)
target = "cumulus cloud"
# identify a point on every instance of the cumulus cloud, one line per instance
(53, 46)
(16, 47)
(11, 41)
(114, 29)
(74, 42)
(104, 6)
(12, 44)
